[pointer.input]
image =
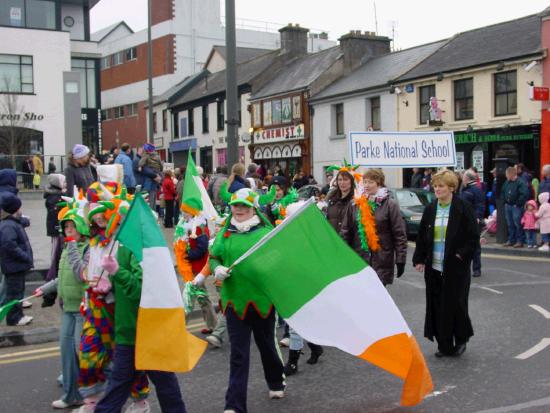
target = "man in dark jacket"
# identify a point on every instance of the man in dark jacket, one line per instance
(8, 185)
(16, 257)
(515, 194)
(475, 199)
(416, 179)
(28, 170)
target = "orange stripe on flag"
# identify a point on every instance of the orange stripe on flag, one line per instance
(401, 356)
(163, 343)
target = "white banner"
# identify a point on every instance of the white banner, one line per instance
(402, 149)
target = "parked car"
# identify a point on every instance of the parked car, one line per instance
(412, 202)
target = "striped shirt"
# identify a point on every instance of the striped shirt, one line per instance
(440, 231)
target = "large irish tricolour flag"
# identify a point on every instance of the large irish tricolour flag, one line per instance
(330, 296)
(162, 341)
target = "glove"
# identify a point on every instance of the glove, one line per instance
(221, 273)
(102, 285)
(400, 269)
(199, 280)
(109, 264)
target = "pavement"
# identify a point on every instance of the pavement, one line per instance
(504, 369)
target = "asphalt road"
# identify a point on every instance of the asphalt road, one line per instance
(488, 378)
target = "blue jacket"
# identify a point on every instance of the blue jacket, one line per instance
(543, 187)
(238, 183)
(474, 197)
(145, 177)
(127, 166)
(15, 248)
(8, 183)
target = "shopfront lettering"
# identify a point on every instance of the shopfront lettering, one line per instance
(285, 133)
(464, 138)
(17, 117)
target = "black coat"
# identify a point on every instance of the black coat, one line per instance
(447, 295)
(52, 198)
(15, 248)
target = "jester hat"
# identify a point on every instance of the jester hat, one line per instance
(346, 167)
(78, 217)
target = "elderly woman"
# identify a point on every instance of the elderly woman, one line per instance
(247, 310)
(390, 227)
(447, 239)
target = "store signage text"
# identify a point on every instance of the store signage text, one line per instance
(461, 138)
(539, 93)
(28, 116)
(285, 133)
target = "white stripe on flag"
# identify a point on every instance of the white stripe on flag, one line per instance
(332, 318)
(160, 287)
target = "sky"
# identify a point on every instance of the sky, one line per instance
(414, 22)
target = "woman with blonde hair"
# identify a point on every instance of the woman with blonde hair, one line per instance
(447, 238)
(236, 179)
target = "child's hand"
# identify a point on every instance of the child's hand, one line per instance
(198, 281)
(102, 285)
(109, 264)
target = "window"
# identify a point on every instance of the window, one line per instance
(267, 113)
(88, 84)
(464, 99)
(505, 93)
(286, 111)
(256, 115)
(106, 114)
(205, 119)
(131, 54)
(276, 111)
(426, 92)
(154, 122)
(220, 110)
(132, 109)
(119, 112)
(339, 118)
(118, 58)
(106, 62)
(164, 120)
(16, 74)
(191, 122)
(375, 113)
(38, 14)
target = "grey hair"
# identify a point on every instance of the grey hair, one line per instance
(471, 175)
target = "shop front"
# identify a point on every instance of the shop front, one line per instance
(180, 150)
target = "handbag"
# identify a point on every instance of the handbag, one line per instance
(36, 180)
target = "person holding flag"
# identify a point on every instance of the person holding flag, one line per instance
(247, 310)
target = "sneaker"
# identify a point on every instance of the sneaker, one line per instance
(138, 406)
(23, 321)
(285, 342)
(229, 411)
(60, 404)
(26, 304)
(545, 248)
(276, 394)
(214, 341)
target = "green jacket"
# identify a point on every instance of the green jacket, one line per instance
(70, 287)
(236, 289)
(515, 192)
(127, 288)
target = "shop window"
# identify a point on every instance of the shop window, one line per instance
(338, 110)
(464, 99)
(16, 74)
(256, 115)
(191, 122)
(505, 93)
(164, 120)
(205, 120)
(131, 53)
(267, 113)
(220, 111)
(375, 113)
(276, 111)
(425, 93)
(286, 111)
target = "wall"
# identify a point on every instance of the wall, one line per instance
(545, 132)
(77, 13)
(51, 57)
(132, 129)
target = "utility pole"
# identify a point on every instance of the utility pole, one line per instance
(231, 85)
(150, 137)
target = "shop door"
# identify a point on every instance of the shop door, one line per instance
(206, 159)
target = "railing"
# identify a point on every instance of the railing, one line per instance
(24, 176)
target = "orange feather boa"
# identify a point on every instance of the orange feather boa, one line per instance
(368, 223)
(184, 266)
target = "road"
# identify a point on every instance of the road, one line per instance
(510, 310)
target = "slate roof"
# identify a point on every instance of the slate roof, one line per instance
(380, 70)
(486, 45)
(214, 83)
(179, 88)
(102, 33)
(300, 73)
(243, 53)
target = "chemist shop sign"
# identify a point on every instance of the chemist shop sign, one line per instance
(285, 133)
(402, 149)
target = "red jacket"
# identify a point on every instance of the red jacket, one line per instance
(198, 250)
(168, 189)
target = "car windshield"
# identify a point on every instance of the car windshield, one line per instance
(410, 198)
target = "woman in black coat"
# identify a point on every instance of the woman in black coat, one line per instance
(446, 241)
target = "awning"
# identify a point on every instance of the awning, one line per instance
(280, 151)
(183, 145)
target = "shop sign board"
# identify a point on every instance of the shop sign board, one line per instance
(462, 138)
(539, 93)
(402, 149)
(284, 133)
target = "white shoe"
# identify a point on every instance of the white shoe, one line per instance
(140, 406)
(229, 411)
(86, 408)
(215, 341)
(545, 247)
(285, 342)
(60, 404)
(276, 394)
(26, 304)
(26, 319)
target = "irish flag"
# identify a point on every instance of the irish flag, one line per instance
(162, 341)
(330, 296)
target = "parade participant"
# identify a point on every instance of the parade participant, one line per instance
(247, 310)
(447, 238)
(78, 170)
(389, 226)
(276, 211)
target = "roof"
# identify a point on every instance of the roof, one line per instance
(179, 88)
(243, 53)
(379, 71)
(106, 31)
(490, 44)
(214, 84)
(300, 73)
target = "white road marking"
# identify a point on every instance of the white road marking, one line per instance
(527, 274)
(489, 289)
(545, 342)
(517, 407)
(545, 314)
(444, 390)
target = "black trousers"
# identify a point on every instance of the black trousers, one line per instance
(169, 214)
(15, 290)
(239, 337)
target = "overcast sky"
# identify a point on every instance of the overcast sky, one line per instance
(415, 21)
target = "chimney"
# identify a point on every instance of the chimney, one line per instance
(359, 47)
(293, 40)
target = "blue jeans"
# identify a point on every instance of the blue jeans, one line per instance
(545, 238)
(122, 377)
(531, 236)
(515, 229)
(69, 341)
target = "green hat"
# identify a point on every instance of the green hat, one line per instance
(192, 205)
(245, 196)
(76, 215)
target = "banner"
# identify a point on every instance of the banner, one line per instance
(402, 149)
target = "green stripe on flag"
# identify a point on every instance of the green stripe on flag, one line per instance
(299, 260)
(139, 229)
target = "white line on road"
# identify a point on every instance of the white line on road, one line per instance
(517, 407)
(541, 310)
(527, 274)
(489, 289)
(545, 342)
(515, 258)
